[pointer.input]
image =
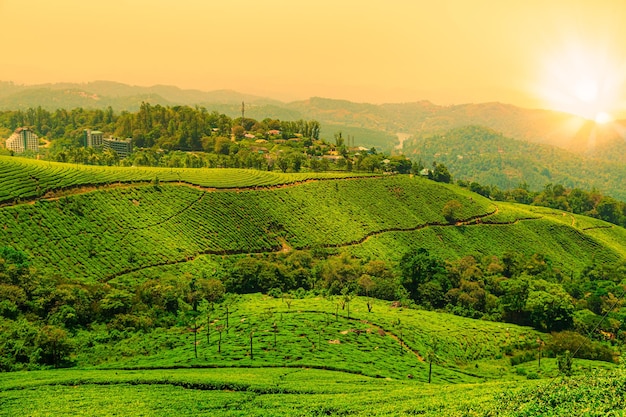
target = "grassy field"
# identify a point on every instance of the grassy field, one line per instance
(297, 392)
(387, 342)
(321, 364)
(171, 223)
(228, 392)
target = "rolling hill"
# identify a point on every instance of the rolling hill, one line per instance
(185, 215)
(103, 267)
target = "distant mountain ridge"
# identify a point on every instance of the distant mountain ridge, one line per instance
(372, 124)
(120, 96)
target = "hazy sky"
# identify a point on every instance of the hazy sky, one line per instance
(451, 51)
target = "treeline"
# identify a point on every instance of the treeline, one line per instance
(41, 317)
(291, 157)
(522, 289)
(574, 200)
(169, 128)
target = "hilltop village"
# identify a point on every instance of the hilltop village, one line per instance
(189, 137)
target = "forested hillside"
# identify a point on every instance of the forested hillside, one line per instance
(182, 136)
(482, 155)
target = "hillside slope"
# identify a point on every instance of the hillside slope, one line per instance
(161, 224)
(29, 180)
(476, 153)
(117, 273)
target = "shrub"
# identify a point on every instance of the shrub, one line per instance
(300, 293)
(582, 347)
(565, 363)
(451, 210)
(275, 292)
(523, 358)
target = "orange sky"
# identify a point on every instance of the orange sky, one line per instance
(453, 51)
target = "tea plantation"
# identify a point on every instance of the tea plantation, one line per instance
(155, 291)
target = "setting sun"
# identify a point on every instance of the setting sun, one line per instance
(603, 118)
(582, 78)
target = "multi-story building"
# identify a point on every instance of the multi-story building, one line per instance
(23, 139)
(93, 138)
(123, 147)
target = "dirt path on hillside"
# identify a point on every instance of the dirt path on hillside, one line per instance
(56, 194)
(281, 246)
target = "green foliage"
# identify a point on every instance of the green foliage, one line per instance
(451, 209)
(579, 346)
(564, 361)
(250, 275)
(598, 393)
(440, 173)
(480, 155)
(310, 391)
(278, 391)
(183, 247)
(166, 229)
(549, 308)
(523, 357)
(24, 179)
(176, 223)
(424, 277)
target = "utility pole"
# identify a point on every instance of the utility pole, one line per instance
(243, 108)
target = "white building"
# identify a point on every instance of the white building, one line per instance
(123, 147)
(22, 140)
(93, 138)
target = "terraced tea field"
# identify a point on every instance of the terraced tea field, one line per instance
(320, 364)
(262, 355)
(28, 180)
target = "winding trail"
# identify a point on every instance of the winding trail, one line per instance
(597, 227)
(281, 246)
(61, 192)
(88, 188)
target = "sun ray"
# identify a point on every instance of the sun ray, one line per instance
(584, 78)
(583, 74)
